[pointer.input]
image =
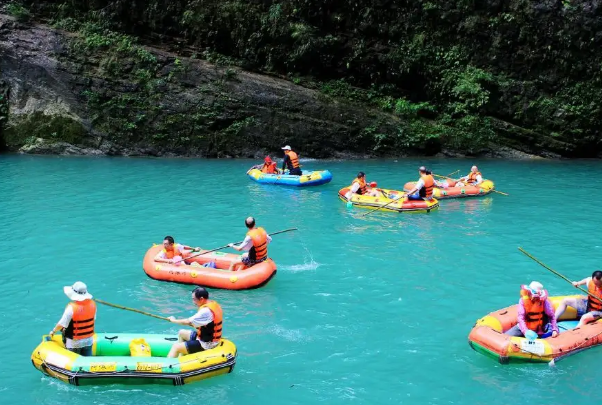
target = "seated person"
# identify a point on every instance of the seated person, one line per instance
(535, 314)
(423, 190)
(172, 252)
(473, 178)
(359, 186)
(268, 166)
(588, 307)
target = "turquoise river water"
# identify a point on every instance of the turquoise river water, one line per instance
(372, 310)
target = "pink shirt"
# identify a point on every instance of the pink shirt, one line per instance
(549, 310)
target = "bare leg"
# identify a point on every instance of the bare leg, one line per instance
(180, 347)
(571, 302)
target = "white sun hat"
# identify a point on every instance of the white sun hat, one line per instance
(287, 147)
(77, 292)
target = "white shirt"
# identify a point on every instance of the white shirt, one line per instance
(479, 179)
(177, 247)
(419, 184)
(64, 322)
(203, 317)
(247, 243)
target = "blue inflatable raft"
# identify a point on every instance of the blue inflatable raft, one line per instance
(308, 178)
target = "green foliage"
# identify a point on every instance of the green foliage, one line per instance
(37, 125)
(443, 67)
(18, 11)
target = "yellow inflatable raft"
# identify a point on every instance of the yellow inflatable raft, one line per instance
(118, 358)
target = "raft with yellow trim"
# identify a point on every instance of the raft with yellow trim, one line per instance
(195, 273)
(487, 337)
(482, 189)
(112, 363)
(386, 197)
(307, 178)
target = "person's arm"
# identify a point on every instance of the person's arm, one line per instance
(479, 180)
(161, 258)
(201, 318)
(582, 282)
(243, 245)
(284, 161)
(352, 190)
(63, 323)
(269, 238)
(417, 187)
(549, 308)
(521, 318)
(186, 247)
(185, 321)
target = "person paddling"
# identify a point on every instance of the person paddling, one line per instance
(473, 178)
(588, 307)
(77, 322)
(423, 190)
(207, 323)
(173, 252)
(360, 187)
(256, 243)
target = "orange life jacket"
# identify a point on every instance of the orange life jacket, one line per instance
(429, 183)
(269, 168)
(82, 322)
(363, 187)
(212, 332)
(170, 254)
(260, 242)
(472, 177)
(535, 314)
(294, 162)
(592, 303)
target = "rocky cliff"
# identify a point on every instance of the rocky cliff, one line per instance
(107, 103)
(383, 80)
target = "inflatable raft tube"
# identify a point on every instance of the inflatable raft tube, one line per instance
(366, 201)
(487, 337)
(252, 277)
(112, 362)
(308, 178)
(482, 189)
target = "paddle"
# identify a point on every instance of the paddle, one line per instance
(445, 177)
(555, 272)
(381, 207)
(131, 309)
(224, 247)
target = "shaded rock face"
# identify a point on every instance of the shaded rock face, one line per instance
(102, 95)
(61, 103)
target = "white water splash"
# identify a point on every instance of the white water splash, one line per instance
(302, 267)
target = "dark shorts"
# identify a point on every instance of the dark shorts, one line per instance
(193, 345)
(295, 172)
(248, 261)
(84, 351)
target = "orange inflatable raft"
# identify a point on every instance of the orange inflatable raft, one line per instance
(220, 277)
(482, 189)
(487, 337)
